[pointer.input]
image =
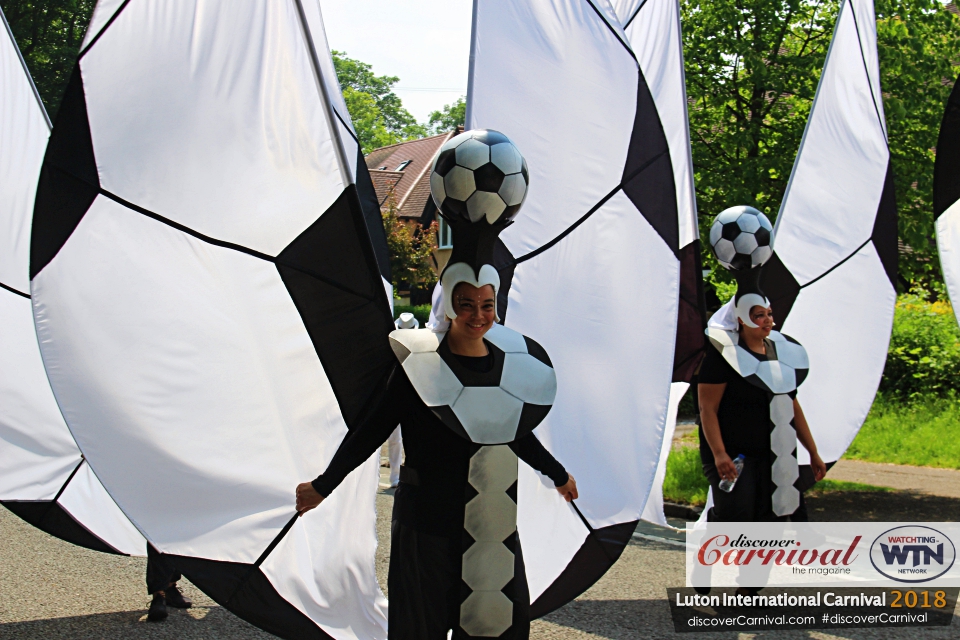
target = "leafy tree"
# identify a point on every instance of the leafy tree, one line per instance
(377, 112)
(752, 68)
(411, 249)
(449, 118)
(49, 33)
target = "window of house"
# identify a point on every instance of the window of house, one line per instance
(383, 168)
(444, 235)
(403, 165)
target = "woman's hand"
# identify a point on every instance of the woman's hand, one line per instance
(725, 466)
(818, 466)
(569, 490)
(307, 497)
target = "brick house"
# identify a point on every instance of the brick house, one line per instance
(403, 169)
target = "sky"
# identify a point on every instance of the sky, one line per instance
(426, 43)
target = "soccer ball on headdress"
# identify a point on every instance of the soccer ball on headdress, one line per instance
(479, 174)
(741, 238)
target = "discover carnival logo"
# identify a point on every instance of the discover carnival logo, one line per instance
(912, 554)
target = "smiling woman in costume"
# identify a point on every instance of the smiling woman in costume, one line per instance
(748, 386)
(468, 395)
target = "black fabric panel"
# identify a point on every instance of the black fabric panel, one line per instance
(51, 518)
(691, 315)
(946, 171)
(599, 552)
(371, 215)
(468, 377)
(332, 276)
(505, 264)
(885, 231)
(780, 286)
(68, 178)
(648, 174)
(246, 592)
(531, 415)
(449, 418)
(537, 351)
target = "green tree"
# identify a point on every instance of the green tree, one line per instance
(377, 112)
(449, 118)
(752, 68)
(49, 33)
(411, 249)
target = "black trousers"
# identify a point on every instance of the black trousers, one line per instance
(425, 588)
(752, 497)
(160, 570)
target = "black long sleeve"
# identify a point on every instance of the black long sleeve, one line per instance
(363, 441)
(532, 451)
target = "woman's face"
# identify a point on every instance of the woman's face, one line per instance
(763, 318)
(475, 309)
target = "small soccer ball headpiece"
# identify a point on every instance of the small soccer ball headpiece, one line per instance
(742, 240)
(477, 175)
(478, 182)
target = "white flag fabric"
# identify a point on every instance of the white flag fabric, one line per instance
(832, 280)
(946, 196)
(210, 309)
(654, 31)
(43, 477)
(591, 266)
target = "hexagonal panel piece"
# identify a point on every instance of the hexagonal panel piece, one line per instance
(489, 415)
(493, 469)
(445, 161)
(486, 614)
(745, 243)
(488, 178)
(724, 250)
(506, 157)
(473, 154)
(747, 364)
(435, 383)
(778, 376)
(793, 355)
(489, 517)
(487, 566)
(506, 339)
(748, 223)
(760, 255)
(459, 183)
(437, 189)
(716, 232)
(513, 189)
(485, 204)
(730, 231)
(528, 379)
(729, 215)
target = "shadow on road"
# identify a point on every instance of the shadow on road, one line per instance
(886, 506)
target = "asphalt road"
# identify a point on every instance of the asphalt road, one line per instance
(51, 589)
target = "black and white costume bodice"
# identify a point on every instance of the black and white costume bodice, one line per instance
(779, 373)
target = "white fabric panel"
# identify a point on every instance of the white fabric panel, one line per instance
(333, 582)
(102, 13)
(210, 116)
(837, 180)
(23, 138)
(214, 387)
(653, 510)
(37, 453)
(948, 243)
(555, 79)
(613, 358)
(550, 530)
(656, 40)
(89, 503)
(846, 357)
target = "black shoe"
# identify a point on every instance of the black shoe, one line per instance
(158, 608)
(175, 599)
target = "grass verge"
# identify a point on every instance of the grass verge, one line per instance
(924, 432)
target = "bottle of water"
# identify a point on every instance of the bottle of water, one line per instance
(727, 485)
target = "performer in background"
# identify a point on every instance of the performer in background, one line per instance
(747, 388)
(468, 396)
(162, 577)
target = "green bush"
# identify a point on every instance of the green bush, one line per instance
(684, 481)
(421, 312)
(924, 355)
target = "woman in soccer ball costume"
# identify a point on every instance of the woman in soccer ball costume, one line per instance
(467, 394)
(747, 393)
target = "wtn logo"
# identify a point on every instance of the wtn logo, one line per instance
(912, 554)
(900, 555)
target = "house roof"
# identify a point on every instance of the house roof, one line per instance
(410, 185)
